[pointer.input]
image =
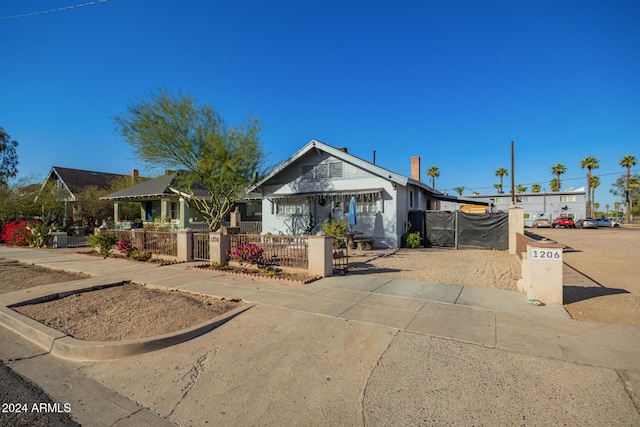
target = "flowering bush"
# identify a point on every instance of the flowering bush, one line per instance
(16, 232)
(248, 253)
(126, 248)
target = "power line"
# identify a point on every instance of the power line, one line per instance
(60, 9)
(561, 179)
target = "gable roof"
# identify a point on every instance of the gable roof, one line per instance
(346, 157)
(75, 180)
(162, 186)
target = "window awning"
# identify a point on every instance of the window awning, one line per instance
(330, 195)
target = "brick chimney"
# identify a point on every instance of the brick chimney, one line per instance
(134, 176)
(415, 168)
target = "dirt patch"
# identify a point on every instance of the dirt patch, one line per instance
(126, 312)
(17, 275)
(483, 268)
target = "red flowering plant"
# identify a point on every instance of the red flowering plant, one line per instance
(126, 248)
(247, 253)
(16, 232)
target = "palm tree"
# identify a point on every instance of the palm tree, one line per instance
(521, 188)
(558, 170)
(498, 187)
(606, 209)
(628, 162)
(433, 172)
(589, 163)
(501, 173)
(459, 190)
(535, 188)
(554, 184)
(595, 183)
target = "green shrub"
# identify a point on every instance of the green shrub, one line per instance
(38, 235)
(335, 229)
(413, 240)
(103, 241)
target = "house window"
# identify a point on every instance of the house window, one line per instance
(567, 198)
(367, 207)
(525, 199)
(526, 216)
(322, 170)
(498, 200)
(253, 208)
(290, 207)
(174, 210)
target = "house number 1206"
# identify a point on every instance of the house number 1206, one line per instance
(553, 254)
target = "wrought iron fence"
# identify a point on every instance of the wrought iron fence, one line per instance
(282, 251)
(200, 246)
(75, 241)
(153, 241)
(340, 255)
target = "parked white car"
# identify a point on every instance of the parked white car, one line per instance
(607, 223)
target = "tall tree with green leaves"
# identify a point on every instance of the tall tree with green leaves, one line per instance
(590, 163)
(628, 162)
(8, 158)
(535, 188)
(558, 169)
(554, 184)
(434, 173)
(501, 172)
(521, 188)
(498, 188)
(459, 190)
(176, 132)
(595, 183)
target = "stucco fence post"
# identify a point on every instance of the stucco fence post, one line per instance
(516, 225)
(320, 256)
(185, 245)
(542, 277)
(219, 244)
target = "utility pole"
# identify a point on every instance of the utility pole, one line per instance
(513, 191)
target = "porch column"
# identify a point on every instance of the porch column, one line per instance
(184, 214)
(117, 211)
(164, 209)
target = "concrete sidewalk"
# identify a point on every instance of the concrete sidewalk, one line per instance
(376, 335)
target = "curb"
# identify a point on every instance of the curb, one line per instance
(64, 346)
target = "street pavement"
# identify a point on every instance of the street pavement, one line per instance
(346, 351)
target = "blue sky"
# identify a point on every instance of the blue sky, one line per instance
(451, 81)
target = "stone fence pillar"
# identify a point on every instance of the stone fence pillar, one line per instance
(185, 245)
(219, 244)
(320, 256)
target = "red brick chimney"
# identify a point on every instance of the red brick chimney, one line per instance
(134, 176)
(415, 168)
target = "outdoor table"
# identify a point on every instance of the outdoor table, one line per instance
(350, 235)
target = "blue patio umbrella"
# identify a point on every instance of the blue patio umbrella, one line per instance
(353, 219)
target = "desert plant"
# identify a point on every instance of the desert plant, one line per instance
(103, 241)
(38, 235)
(216, 265)
(140, 255)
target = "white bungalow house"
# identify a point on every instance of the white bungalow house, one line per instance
(318, 181)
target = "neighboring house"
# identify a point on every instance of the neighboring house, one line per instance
(545, 204)
(69, 184)
(318, 182)
(161, 202)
